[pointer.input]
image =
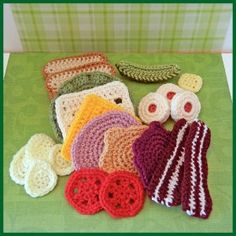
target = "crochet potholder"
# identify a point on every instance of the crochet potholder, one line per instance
(40, 179)
(68, 104)
(91, 106)
(59, 164)
(78, 83)
(165, 184)
(88, 144)
(65, 63)
(190, 82)
(195, 197)
(185, 105)
(147, 73)
(82, 190)
(17, 168)
(55, 81)
(121, 194)
(153, 107)
(148, 150)
(38, 148)
(117, 152)
(169, 90)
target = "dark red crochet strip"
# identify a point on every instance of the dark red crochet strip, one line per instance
(196, 200)
(165, 184)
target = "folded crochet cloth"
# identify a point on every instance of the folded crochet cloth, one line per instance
(67, 105)
(78, 83)
(91, 106)
(196, 199)
(148, 150)
(55, 81)
(88, 144)
(165, 185)
(66, 63)
(117, 152)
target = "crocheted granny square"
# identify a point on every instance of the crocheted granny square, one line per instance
(67, 105)
(91, 107)
(79, 83)
(196, 200)
(55, 81)
(66, 63)
(117, 152)
(190, 82)
(82, 190)
(88, 144)
(121, 194)
(17, 168)
(165, 185)
(61, 166)
(40, 179)
(148, 150)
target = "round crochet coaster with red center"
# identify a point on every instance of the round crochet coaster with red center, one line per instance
(121, 194)
(82, 190)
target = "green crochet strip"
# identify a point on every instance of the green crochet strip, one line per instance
(78, 83)
(147, 73)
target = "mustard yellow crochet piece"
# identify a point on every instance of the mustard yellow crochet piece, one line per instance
(190, 82)
(117, 153)
(91, 107)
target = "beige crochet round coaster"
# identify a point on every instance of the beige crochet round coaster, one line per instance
(185, 105)
(40, 179)
(153, 107)
(17, 168)
(59, 164)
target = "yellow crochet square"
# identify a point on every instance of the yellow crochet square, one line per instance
(91, 107)
(190, 82)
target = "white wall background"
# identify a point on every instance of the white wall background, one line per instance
(12, 40)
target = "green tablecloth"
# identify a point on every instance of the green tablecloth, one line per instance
(26, 108)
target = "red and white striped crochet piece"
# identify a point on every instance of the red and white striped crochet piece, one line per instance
(165, 185)
(196, 200)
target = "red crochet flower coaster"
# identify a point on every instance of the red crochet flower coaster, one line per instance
(82, 190)
(121, 194)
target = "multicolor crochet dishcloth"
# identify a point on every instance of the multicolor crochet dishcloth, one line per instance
(117, 152)
(78, 83)
(91, 106)
(148, 150)
(67, 105)
(55, 81)
(66, 63)
(88, 144)
(147, 73)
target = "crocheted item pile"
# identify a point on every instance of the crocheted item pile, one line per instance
(37, 164)
(79, 83)
(121, 194)
(82, 190)
(88, 144)
(153, 107)
(190, 82)
(117, 152)
(148, 150)
(55, 81)
(91, 107)
(67, 105)
(147, 73)
(66, 63)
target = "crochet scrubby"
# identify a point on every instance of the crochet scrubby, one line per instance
(88, 144)
(117, 152)
(67, 105)
(147, 73)
(79, 83)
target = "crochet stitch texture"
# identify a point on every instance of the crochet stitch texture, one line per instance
(88, 144)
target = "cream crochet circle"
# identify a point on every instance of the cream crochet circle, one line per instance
(179, 103)
(59, 164)
(169, 90)
(161, 108)
(40, 179)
